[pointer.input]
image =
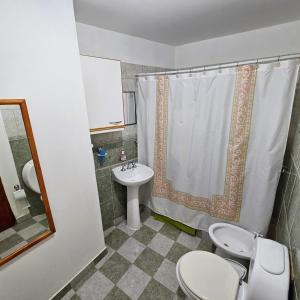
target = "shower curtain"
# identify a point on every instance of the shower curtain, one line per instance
(216, 142)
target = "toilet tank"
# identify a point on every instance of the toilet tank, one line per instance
(269, 272)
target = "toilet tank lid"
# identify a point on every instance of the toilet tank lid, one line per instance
(271, 256)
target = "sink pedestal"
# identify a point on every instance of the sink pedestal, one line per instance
(133, 178)
(133, 209)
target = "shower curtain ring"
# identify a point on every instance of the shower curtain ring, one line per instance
(278, 61)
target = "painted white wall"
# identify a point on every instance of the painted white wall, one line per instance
(39, 61)
(270, 41)
(110, 44)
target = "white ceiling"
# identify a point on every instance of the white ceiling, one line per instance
(177, 22)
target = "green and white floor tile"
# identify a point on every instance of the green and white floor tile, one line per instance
(21, 234)
(139, 265)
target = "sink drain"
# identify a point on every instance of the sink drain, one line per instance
(226, 245)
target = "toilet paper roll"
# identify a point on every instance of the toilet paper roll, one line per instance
(19, 195)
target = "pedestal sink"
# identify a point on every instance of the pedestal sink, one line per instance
(133, 178)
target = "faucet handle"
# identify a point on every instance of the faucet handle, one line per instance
(133, 164)
(123, 168)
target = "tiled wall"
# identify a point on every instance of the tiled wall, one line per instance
(112, 196)
(13, 121)
(285, 224)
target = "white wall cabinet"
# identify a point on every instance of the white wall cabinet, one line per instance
(103, 93)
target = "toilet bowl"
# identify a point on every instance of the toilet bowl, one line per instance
(233, 240)
(206, 276)
(29, 177)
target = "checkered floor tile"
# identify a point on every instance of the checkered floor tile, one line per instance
(139, 264)
(21, 234)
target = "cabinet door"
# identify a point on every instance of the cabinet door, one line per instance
(103, 92)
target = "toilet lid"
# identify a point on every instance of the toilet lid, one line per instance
(208, 276)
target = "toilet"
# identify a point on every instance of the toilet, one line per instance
(29, 177)
(232, 241)
(207, 276)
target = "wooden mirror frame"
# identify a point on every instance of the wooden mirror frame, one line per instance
(35, 158)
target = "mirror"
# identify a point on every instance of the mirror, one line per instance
(129, 104)
(25, 216)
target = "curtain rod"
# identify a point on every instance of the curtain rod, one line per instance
(219, 66)
(87, 55)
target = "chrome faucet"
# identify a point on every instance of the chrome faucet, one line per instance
(130, 165)
(257, 234)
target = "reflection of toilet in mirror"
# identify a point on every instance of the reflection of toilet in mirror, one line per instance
(29, 177)
(25, 216)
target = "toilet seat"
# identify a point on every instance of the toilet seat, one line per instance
(207, 276)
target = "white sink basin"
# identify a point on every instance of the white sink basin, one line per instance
(133, 178)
